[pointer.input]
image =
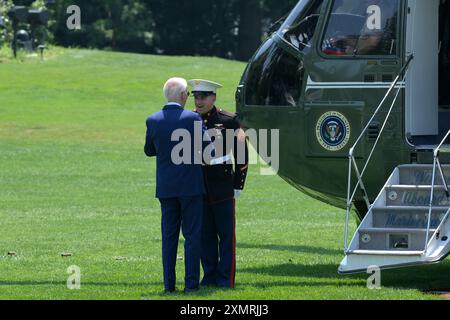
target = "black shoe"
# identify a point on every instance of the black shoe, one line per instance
(209, 284)
(225, 286)
(191, 290)
(172, 290)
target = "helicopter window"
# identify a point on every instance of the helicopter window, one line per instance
(362, 27)
(274, 78)
(299, 32)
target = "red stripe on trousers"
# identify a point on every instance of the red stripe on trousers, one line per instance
(233, 256)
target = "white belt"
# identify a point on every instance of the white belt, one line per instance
(221, 160)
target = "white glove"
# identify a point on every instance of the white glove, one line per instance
(237, 193)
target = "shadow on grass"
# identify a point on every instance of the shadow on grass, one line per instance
(203, 292)
(83, 283)
(276, 247)
(151, 290)
(423, 278)
(292, 248)
(296, 270)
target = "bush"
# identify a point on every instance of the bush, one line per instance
(5, 33)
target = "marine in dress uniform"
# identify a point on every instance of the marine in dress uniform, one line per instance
(180, 190)
(224, 183)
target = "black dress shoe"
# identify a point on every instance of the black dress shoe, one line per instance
(169, 290)
(209, 284)
(191, 290)
(225, 286)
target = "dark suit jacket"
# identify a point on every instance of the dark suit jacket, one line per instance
(174, 180)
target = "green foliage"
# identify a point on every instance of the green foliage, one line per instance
(194, 27)
(275, 9)
(38, 4)
(123, 25)
(41, 32)
(5, 34)
(224, 28)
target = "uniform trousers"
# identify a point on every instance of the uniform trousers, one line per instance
(219, 244)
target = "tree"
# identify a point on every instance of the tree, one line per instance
(250, 28)
(194, 27)
(124, 25)
(5, 30)
(276, 9)
(224, 28)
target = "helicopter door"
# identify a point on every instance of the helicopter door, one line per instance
(422, 105)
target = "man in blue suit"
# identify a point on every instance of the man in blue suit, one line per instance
(179, 184)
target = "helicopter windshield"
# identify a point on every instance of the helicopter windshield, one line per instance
(362, 27)
(298, 29)
(274, 77)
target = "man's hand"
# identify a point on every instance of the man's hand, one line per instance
(237, 193)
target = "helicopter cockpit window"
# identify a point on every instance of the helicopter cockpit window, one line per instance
(274, 78)
(299, 28)
(362, 27)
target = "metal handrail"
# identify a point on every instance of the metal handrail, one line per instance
(436, 165)
(352, 160)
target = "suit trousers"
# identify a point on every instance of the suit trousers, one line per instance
(187, 213)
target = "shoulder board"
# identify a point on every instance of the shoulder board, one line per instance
(226, 113)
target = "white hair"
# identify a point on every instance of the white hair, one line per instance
(173, 89)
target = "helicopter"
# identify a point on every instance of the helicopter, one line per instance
(359, 91)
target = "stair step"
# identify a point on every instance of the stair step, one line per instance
(407, 217)
(392, 239)
(395, 230)
(415, 195)
(405, 208)
(421, 174)
(385, 253)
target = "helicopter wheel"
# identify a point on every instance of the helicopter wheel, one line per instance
(360, 209)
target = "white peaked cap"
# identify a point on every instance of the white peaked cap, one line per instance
(199, 85)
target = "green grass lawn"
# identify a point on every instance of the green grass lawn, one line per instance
(74, 179)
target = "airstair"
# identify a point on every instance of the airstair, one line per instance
(403, 226)
(408, 223)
